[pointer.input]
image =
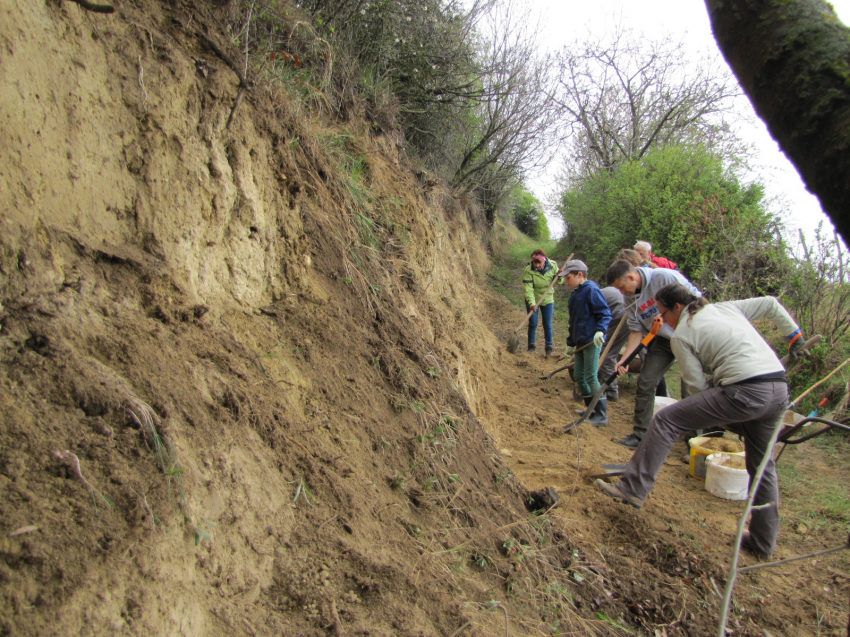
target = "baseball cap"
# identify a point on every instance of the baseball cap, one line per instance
(574, 266)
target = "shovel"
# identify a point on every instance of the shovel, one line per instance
(656, 325)
(814, 340)
(609, 471)
(817, 409)
(513, 341)
(568, 365)
(604, 352)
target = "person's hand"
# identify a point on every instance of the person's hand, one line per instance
(570, 351)
(621, 369)
(598, 339)
(795, 347)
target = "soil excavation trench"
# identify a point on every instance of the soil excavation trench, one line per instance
(680, 522)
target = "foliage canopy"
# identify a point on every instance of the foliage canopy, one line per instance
(687, 205)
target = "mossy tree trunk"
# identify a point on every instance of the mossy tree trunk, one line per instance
(792, 58)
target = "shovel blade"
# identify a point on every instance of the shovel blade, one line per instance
(513, 344)
(589, 409)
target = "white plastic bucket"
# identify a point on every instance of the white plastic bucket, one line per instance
(661, 402)
(726, 476)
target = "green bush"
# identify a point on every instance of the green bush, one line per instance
(689, 207)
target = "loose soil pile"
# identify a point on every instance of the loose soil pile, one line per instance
(239, 396)
(721, 444)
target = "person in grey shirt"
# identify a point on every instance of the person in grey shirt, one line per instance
(737, 382)
(614, 298)
(639, 286)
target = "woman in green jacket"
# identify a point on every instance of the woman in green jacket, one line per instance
(536, 278)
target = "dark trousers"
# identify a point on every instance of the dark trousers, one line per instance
(751, 410)
(610, 363)
(656, 363)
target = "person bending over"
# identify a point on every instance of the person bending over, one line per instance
(745, 392)
(644, 249)
(639, 286)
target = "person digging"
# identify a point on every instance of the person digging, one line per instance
(745, 392)
(589, 318)
(639, 287)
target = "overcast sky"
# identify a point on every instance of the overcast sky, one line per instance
(562, 21)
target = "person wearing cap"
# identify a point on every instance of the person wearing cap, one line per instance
(639, 286)
(589, 318)
(745, 392)
(536, 279)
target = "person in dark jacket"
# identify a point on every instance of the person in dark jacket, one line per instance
(589, 318)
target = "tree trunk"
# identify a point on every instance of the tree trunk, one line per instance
(792, 58)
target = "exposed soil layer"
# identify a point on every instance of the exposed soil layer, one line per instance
(670, 558)
(236, 398)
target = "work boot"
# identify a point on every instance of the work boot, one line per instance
(549, 350)
(586, 400)
(631, 441)
(614, 491)
(747, 545)
(599, 417)
(531, 348)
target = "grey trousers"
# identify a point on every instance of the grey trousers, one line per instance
(610, 363)
(751, 410)
(656, 363)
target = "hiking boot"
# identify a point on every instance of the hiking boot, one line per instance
(747, 545)
(631, 441)
(599, 417)
(549, 350)
(612, 490)
(586, 400)
(531, 348)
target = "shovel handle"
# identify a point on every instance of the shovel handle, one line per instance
(814, 340)
(656, 325)
(644, 343)
(568, 365)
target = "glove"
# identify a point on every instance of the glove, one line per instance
(598, 339)
(795, 346)
(570, 351)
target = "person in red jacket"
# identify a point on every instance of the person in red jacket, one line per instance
(644, 249)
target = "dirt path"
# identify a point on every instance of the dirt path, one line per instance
(670, 558)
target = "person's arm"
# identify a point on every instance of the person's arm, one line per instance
(767, 307)
(600, 309)
(557, 272)
(631, 345)
(528, 283)
(690, 366)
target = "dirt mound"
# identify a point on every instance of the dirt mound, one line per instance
(246, 391)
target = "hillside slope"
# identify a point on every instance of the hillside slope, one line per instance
(251, 379)
(256, 355)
